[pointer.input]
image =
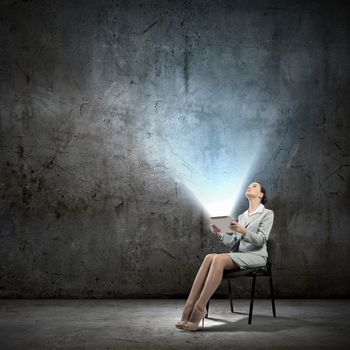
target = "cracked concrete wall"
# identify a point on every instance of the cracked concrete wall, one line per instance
(109, 107)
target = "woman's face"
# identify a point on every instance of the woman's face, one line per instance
(254, 191)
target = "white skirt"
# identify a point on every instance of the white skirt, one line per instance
(248, 260)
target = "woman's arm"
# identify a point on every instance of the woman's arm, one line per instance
(229, 240)
(260, 237)
(224, 237)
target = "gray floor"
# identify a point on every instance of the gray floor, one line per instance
(149, 324)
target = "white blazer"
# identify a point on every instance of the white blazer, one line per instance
(258, 227)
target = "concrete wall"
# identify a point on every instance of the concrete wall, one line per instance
(112, 110)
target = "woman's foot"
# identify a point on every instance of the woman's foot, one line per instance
(197, 315)
(185, 316)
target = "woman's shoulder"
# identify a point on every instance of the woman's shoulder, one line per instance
(268, 211)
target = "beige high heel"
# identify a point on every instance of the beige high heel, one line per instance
(180, 324)
(193, 326)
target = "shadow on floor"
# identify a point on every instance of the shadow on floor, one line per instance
(260, 323)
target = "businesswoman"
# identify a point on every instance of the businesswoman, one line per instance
(255, 225)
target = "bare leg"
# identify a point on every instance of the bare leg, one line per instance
(220, 263)
(197, 286)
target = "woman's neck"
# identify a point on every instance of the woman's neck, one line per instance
(253, 203)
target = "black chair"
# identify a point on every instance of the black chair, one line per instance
(254, 273)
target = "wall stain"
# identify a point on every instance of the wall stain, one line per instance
(119, 207)
(148, 28)
(27, 77)
(7, 226)
(167, 253)
(187, 54)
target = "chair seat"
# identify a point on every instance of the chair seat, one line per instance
(264, 270)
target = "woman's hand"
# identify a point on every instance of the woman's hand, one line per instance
(215, 230)
(235, 226)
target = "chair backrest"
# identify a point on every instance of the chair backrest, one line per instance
(271, 250)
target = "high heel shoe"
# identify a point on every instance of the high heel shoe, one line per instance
(180, 324)
(193, 326)
(185, 315)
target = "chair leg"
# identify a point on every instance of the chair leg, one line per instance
(207, 309)
(272, 297)
(252, 301)
(230, 294)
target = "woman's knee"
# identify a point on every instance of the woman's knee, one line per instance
(222, 260)
(210, 257)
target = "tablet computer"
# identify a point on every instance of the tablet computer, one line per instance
(222, 222)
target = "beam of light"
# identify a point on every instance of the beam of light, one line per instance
(218, 194)
(209, 143)
(213, 168)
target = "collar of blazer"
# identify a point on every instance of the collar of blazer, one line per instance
(255, 216)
